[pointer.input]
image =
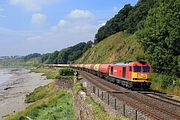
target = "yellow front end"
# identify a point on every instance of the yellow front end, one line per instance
(140, 77)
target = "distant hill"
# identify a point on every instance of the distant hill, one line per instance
(67, 55)
(118, 47)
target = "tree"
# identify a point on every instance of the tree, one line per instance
(30, 56)
(114, 25)
(161, 35)
(138, 15)
(67, 55)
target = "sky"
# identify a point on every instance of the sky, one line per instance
(43, 26)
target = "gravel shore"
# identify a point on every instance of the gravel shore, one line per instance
(12, 92)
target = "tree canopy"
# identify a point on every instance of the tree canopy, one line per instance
(128, 19)
(67, 55)
(160, 36)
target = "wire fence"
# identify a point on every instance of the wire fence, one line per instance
(120, 108)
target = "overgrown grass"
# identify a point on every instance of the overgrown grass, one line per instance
(48, 72)
(54, 106)
(47, 103)
(40, 93)
(79, 87)
(99, 111)
(164, 83)
(116, 48)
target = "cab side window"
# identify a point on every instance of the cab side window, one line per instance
(130, 68)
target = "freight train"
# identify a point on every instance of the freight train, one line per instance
(128, 74)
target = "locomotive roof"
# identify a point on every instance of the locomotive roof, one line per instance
(128, 63)
(123, 63)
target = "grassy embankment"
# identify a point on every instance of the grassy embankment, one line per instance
(122, 47)
(49, 73)
(118, 47)
(98, 111)
(54, 73)
(48, 103)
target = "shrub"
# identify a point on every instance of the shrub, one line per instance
(66, 72)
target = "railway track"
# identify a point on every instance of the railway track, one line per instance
(163, 98)
(156, 107)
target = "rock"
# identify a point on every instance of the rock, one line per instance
(7, 88)
(83, 95)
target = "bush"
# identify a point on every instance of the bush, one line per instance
(167, 81)
(66, 72)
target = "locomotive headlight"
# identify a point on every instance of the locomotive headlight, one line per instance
(142, 74)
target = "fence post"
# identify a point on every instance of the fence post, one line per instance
(124, 110)
(108, 98)
(94, 89)
(136, 115)
(98, 92)
(115, 103)
(102, 95)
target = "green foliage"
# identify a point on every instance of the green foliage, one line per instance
(58, 106)
(79, 87)
(138, 15)
(114, 25)
(66, 72)
(30, 56)
(99, 112)
(67, 55)
(163, 80)
(160, 36)
(164, 83)
(116, 48)
(40, 93)
(128, 19)
(48, 72)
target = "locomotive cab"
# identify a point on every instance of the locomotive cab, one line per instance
(141, 75)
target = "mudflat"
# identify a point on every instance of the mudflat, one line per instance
(13, 91)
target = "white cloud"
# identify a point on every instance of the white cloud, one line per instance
(62, 23)
(38, 19)
(72, 24)
(77, 13)
(67, 32)
(31, 5)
